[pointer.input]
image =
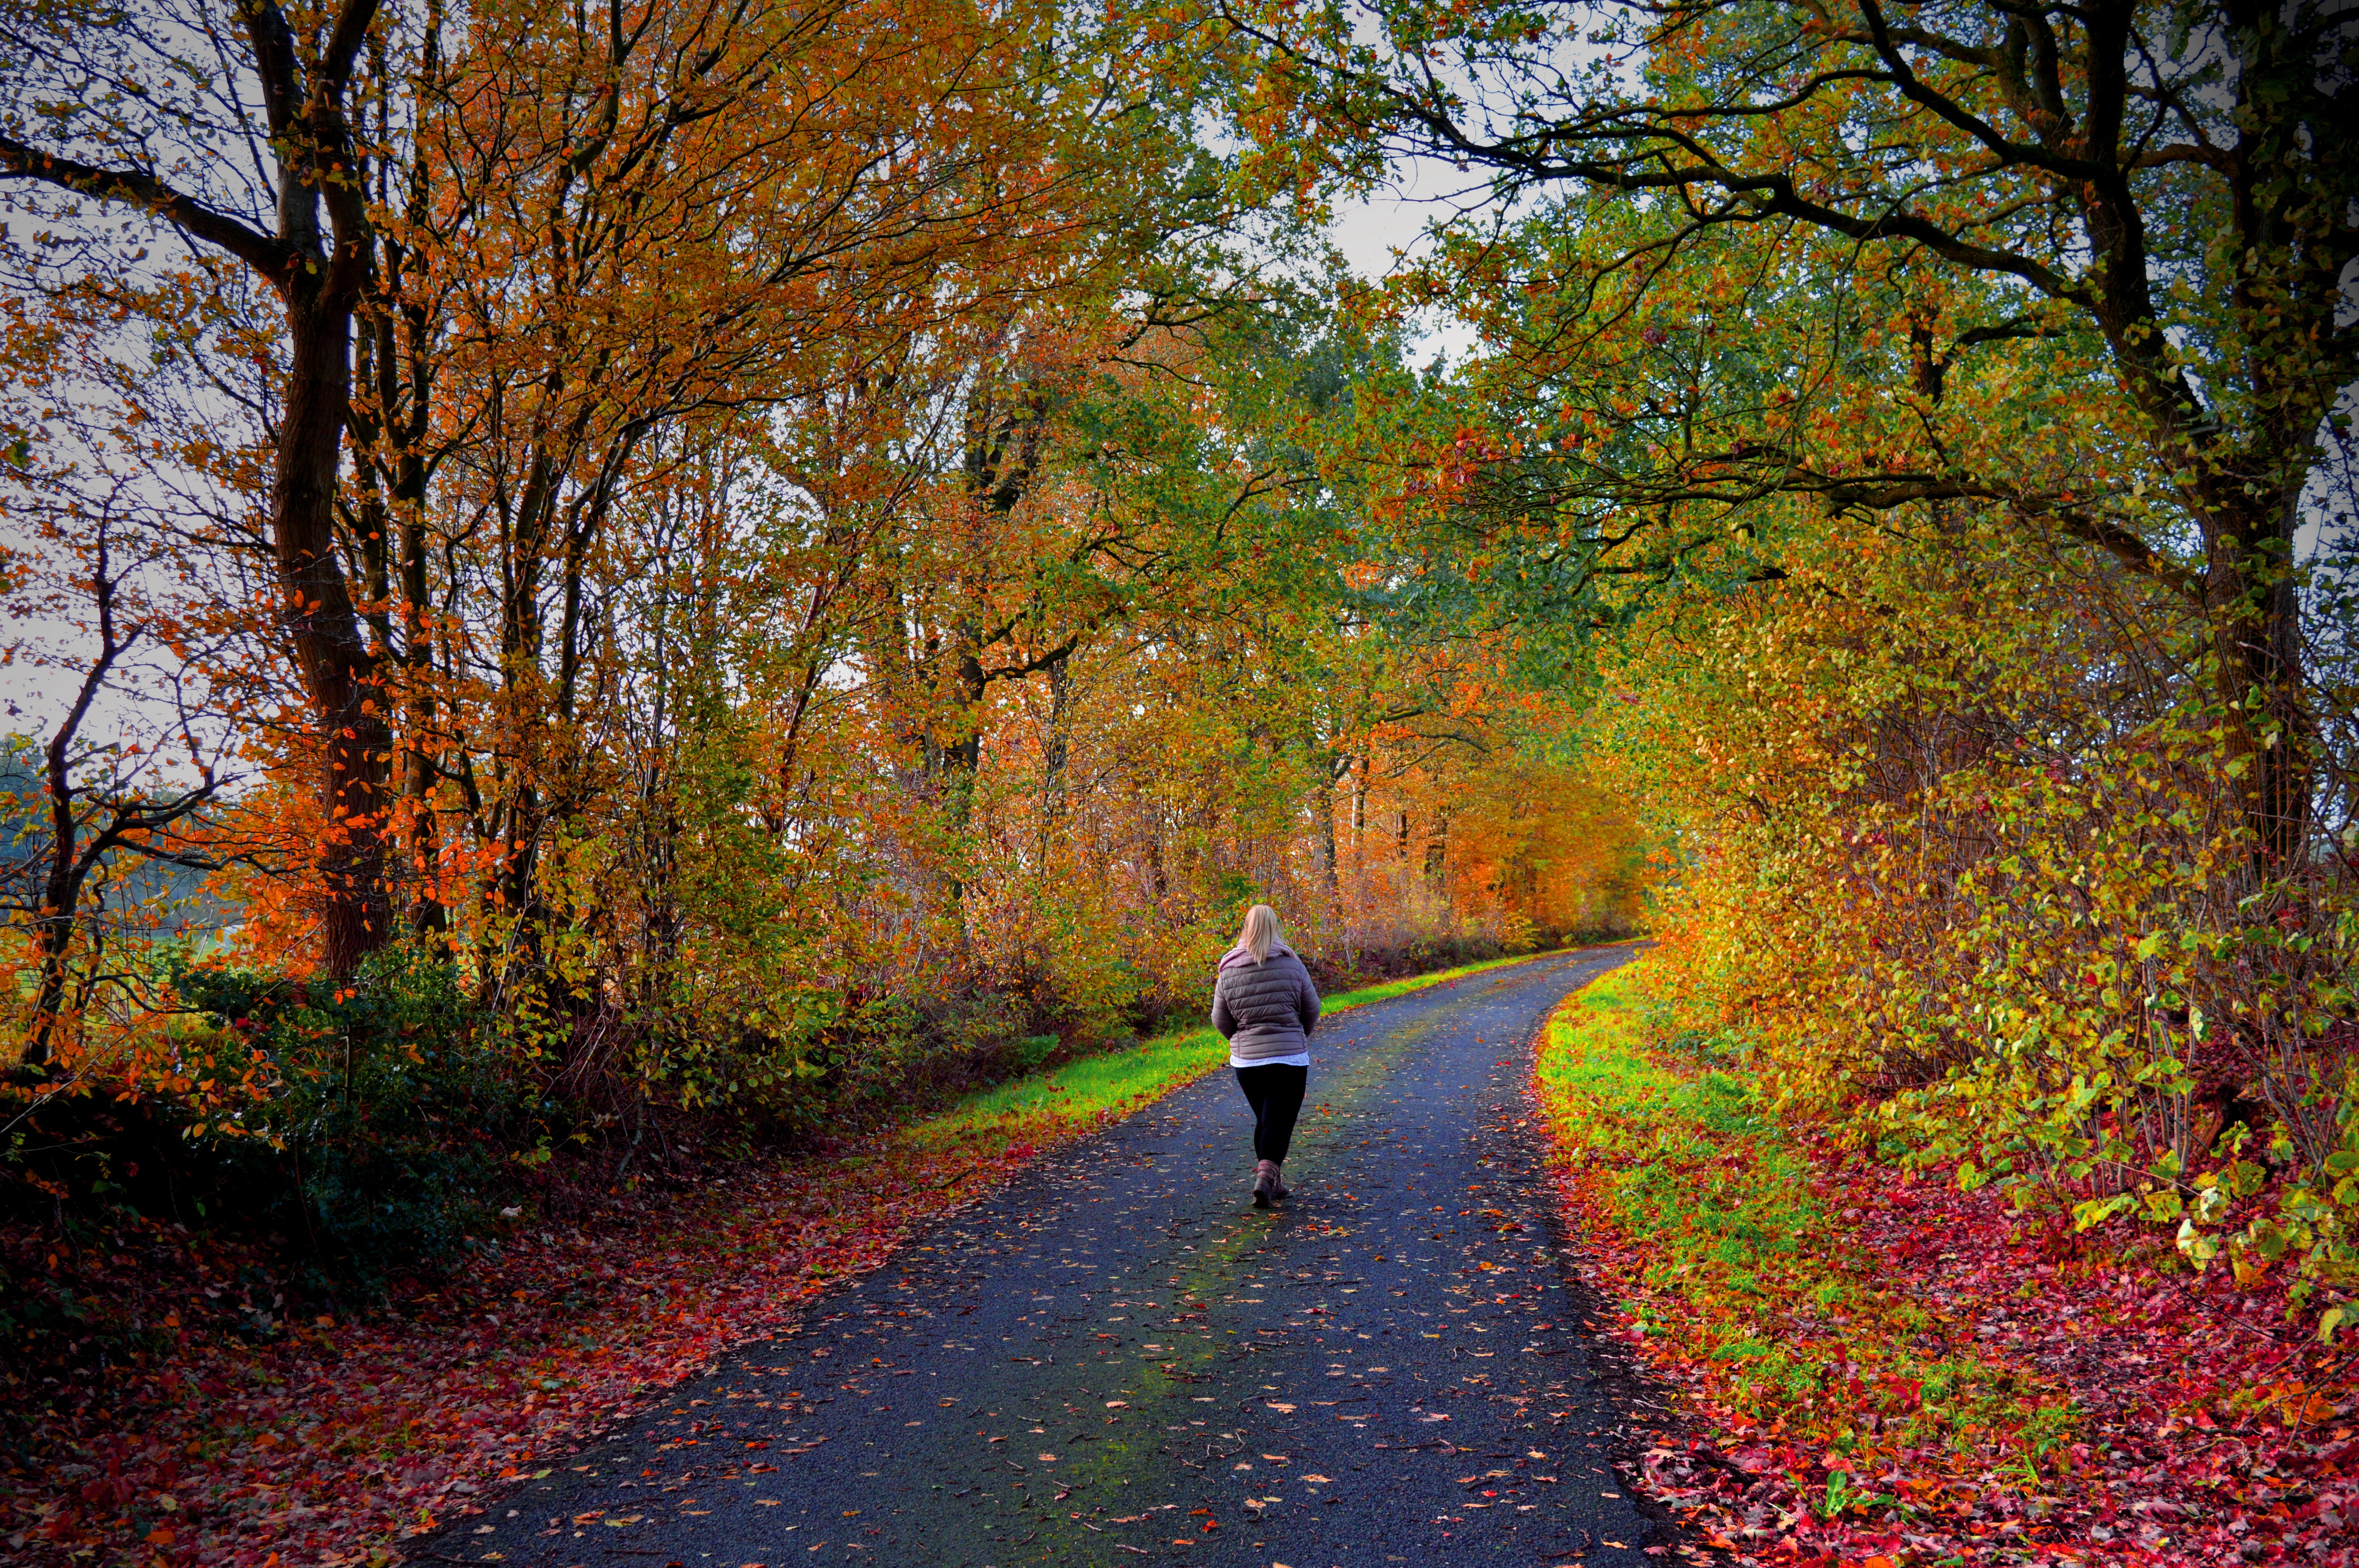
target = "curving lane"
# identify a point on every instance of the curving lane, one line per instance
(1117, 1359)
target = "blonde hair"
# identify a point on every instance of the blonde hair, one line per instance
(1260, 933)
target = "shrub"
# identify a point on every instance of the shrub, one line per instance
(383, 1141)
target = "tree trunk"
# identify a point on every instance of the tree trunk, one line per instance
(961, 753)
(340, 672)
(1054, 753)
(60, 900)
(1322, 805)
(2254, 611)
(427, 912)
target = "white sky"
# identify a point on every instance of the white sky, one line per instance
(1394, 219)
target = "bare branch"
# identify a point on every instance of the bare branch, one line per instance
(136, 187)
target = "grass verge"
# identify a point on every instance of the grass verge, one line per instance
(1886, 1368)
(1045, 1106)
(1732, 1244)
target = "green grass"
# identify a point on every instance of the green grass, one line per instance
(1080, 1093)
(1725, 1253)
(1698, 1163)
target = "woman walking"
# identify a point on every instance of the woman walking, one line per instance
(1264, 1006)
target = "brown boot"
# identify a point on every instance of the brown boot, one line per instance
(1278, 1176)
(1265, 1188)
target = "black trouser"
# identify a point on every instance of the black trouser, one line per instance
(1276, 1094)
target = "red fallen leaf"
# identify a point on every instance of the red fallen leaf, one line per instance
(757, 1444)
(2143, 1355)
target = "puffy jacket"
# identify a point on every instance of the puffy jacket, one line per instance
(1263, 1010)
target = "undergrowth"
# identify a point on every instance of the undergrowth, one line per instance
(1750, 1289)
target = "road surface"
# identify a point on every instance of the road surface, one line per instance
(1117, 1360)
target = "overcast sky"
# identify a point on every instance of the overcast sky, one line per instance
(1369, 232)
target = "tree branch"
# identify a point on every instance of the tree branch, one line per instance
(136, 188)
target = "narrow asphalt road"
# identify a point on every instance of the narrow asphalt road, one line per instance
(1117, 1358)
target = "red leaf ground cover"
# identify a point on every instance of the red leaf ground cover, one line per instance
(2195, 1426)
(227, 1433)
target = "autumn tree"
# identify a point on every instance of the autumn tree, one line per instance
(2161, 194)
(236, 132)
(845, 525)
(753, 217)
(90, 815)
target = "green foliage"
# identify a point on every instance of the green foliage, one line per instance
(384, 1140)
(1732, 1249)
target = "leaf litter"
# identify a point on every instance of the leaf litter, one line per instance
(1929, 1376)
